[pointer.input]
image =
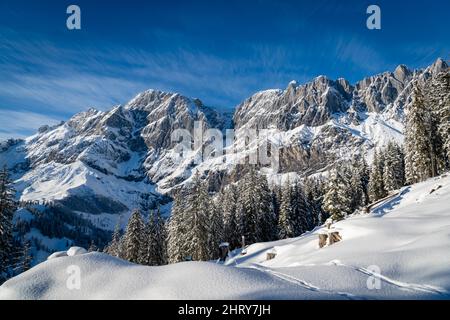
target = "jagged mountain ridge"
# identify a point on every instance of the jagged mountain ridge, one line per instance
(315, 123)
(93, 148)
(100, 164)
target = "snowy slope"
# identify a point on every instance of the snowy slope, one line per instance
(406, 239)
(402, 244)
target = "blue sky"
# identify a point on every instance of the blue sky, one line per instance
(218, 51)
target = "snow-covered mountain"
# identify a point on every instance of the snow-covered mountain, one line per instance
(316, 123)
(398, 251)
(100, 165)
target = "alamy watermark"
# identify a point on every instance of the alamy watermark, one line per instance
(252, 146)
(374, 20)
(374, 280)
(73, 22)
(73, 281)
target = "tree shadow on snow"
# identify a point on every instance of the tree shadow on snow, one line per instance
(390, 203)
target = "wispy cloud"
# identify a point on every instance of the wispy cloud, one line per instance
(50, 75)
(62, 80)
(20, 124)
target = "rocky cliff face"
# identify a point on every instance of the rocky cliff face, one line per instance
(323, 120)
(311, 104)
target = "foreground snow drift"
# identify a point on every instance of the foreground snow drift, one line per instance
(399, 251)
(105, 277)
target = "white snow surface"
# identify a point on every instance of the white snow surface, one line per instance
(76, 251)
(402, 245)
(57, 254)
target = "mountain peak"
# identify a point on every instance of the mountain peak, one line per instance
(150, 98)
(439, 65)
(293, 83)
(401, 72)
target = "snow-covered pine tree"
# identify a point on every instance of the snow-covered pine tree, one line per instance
(113, 248)
(26, 257)
(216, 232)
(394, 168)
(197, 220)
(439, 98)
(286, 219)
(161, 238)
(314, 198)
(337, 201)
(155, 240)
(418, 159)
(295, 217)
(301, 210)
(376, 184)
(358, 182)
(230, 207)
(134, 238)
(389, 170)
(437, 153)
(176, 244)
(276, 199)
(149, 257)
(364, 172)
(257, 218)
(248, 205)
(266, 219)
(7, 209)
(92, 247)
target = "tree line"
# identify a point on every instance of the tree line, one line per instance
(15, 253)
(143, 242)
(250, 211)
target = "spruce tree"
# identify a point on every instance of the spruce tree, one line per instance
(249, 211)
(337, 201)
(7, 209)
(92, 247)
(176, 246)
(150, 246)
(257, 218)
(114, 247)
(197, 220)
(216, 230)
(364, 172)
(276, 200)
(439, 98)
(286, 219)
(231, 215)
(161, 239)
(266, 219)
(314, 196)
(303, 219)
(418, 157)
(359, 178)
(437, 154)
(26, 257)
(134, 238)
(155, 240)
(394, 171)
(376, 184)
